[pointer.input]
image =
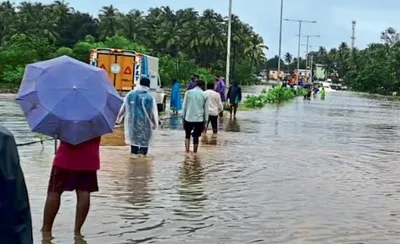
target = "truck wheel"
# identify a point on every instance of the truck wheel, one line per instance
(165, 103)
(162, 106)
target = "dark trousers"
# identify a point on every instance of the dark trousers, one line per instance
(139, 150)
(193, 129)
(214, 123)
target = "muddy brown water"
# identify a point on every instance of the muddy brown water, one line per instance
(305, 172)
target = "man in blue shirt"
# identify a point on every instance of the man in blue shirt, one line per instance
(192, 82)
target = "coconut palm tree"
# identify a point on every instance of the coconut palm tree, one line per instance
(109, 18)
(288, 60)
(132, 26)
(7, 17)
(255, 50)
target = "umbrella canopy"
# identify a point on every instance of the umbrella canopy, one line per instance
(68, 99)
(15, 212)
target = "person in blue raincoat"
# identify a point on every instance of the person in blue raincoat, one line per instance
(176, 103)
(15, 212)
(140, 116)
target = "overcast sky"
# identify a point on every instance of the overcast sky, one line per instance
(333, 16)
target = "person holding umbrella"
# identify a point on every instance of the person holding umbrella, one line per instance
(140, 116)
(74, 102)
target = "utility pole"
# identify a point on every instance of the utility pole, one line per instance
(311, 62)
(298, 44)
(308, 45)
(280, 39)
(311, 69)
(228, 51)
(353, 36)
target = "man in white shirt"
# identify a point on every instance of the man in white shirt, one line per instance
(194, 114)
(215, 107)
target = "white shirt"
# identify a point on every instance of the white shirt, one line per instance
(195, 106)
(215, 105)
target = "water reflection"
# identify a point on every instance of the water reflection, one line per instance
(327, 191)
(191, 191)
(208, 139)
(191, 194)
(77, 240)
(174, 122)
(191, 177)
(232, 126)
(138, 178)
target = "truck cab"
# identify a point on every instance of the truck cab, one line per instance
(157, 92)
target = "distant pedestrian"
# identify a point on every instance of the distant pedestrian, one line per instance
(234, 97)
(140, 118)
(192, 82)
(323, 93)
(315, 91)
(215, 106)
(194, 114)
(308, 94)
(220, 87)
(176, 103)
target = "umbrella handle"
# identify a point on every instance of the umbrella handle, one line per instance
(55, 144)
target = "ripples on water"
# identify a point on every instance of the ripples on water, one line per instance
(306, 172)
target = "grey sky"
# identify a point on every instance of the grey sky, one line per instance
(334, 17)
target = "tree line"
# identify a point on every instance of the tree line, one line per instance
(375, 69)
(185, 40)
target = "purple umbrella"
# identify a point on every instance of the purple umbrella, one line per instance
(68, 99)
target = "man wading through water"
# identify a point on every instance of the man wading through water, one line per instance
(220, 88)
(140, 116)
(234, 96)
(194, 114)
(215, 107)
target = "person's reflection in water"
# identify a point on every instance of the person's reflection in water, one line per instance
(139, 176)
(232, 126)
(209, 140)
(79, 240)
(191, 192)
(174, 122)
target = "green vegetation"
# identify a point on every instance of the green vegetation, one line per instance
(375, 69)
(185, 41)
(273, 96)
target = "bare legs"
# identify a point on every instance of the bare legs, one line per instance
(50, 211)
(234, 110)
(53, 205)
(82, 210)
(195, 147)
(187, 145)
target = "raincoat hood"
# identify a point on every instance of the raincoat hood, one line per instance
(15, 220)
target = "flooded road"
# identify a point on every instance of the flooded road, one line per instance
(306, 172)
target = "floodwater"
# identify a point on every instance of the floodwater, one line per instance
(305, 172)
